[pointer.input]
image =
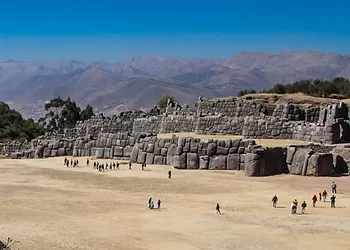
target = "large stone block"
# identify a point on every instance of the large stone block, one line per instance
(54, 153)
(149, 158)
(163, 151)
(180, 161)
(233, 162)
(39, 152)
(254, 164)
(204, 162)
(134, 154)
(99, 152)
(221, 150)
(118, 151)
(158, 160)
(320, 165)
(61, 152)
(211, 150)
(107, 153)
(300, 157)
(192, 161)
(150, 148)
(217, 162)
(171, 155)
(127, 151)
(141, 157)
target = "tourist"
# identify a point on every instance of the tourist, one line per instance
(217, 208)
(114, 165)
(117, 165)
(149, 202)
(292, 207)
(152, 204)
(314, 200)
(169, 174)
(274, 201)
(333, 201)
(87, 162)
(158, 203)
(129, 164)
(334, 188)
(65, 161)
(296, 205)
(303, 206)
(71, 162)
(110, 166)
(324, 194)
(94, 166)
(320, 195)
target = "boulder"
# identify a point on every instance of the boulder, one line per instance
(233, 162)
(192, 161)
(171, 155)
(254, 164)
(204, 162)
(118, 151)
(158, 160)
(127, 151)
(180, 161)
(217, 162)
(61, 152)
(300, 155)
(150, 148)
(149, 158)
(39, 152)
(290, 154)
(211, 150)
(54, 153)
(221, 150)
(134, 154)
(141, 157)
(320, 165)
(107, 153)
(99, 152)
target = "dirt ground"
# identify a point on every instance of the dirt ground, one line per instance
(45, 205)
(263, 142)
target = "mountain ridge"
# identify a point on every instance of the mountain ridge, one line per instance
(143, 79)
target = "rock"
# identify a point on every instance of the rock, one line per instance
(171, 155)
(204, 162)
(233, 162)
(290, 154)
(107, 153)
(39, 152)
(99, 152)
(217, 162)
(149, 158)
(254, 164)
(61, 152)
(150, 148)
(127, 151)
(192, 161)
(54, 153)
(180, 161)
(211, 151)
(320, 165)
(141, 157)
(118, 151)
(134, 154)
(163, 151)
(221, 150)
(158, 160)
(296, 167)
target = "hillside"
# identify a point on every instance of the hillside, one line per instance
(139, 82)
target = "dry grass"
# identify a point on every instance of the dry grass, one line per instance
(47, 206)
(298, 98)
(263, 142)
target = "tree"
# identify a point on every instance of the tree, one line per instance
(163, 101)
(87, 113)
(14, 127)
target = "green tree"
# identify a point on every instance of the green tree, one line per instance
(163, 101)
(87, 113)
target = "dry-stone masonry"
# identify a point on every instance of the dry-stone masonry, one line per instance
(133, 136)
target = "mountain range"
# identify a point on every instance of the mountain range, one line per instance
(139, 82)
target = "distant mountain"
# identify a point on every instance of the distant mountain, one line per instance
(139, 82)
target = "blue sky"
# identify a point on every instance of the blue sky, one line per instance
(118, 30)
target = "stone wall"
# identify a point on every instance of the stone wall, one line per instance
(149, 124)
(178, 123)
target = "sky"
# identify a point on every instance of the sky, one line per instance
(103, 30)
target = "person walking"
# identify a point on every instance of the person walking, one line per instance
(274, 201)
(314, 200)
(217, 208)
(149, 202)
(130, 165)
(303, 206)
(324, 194)
(169, 174)
(332, 201)
(334, 188)
(158, 203)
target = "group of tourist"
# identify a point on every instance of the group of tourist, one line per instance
(72, 163)
(151, 204)
(322, 196)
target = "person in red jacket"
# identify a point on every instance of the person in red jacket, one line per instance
(314, 200)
